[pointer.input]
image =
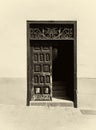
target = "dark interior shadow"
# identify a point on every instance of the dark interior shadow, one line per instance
(63, 69)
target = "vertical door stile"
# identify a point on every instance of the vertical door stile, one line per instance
(32, 74)
(51, 69)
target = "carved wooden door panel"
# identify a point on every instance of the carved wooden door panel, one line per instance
(41, 72)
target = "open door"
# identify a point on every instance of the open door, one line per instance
(41, 71)
(51, 61)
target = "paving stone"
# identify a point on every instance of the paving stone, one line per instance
(44, 118)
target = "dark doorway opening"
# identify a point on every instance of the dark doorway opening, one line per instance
(63, 69)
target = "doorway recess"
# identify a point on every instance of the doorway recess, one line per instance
(51, 61)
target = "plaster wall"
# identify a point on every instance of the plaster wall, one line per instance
(13, 63)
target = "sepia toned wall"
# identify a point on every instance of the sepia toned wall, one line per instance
(13, 46)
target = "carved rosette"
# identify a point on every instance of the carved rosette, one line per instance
(51, 33)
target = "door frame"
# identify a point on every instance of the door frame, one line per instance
(74, 23)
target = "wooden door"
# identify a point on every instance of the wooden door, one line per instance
(41, 72)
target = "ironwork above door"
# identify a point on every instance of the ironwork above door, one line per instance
(51, 33)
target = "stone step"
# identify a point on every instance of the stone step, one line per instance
(59, 83)
(59, 93)
(55, 102)
(58, 88)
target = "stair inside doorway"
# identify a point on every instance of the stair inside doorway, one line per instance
(59, 90)
(59, 97)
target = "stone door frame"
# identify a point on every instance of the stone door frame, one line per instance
(65, 34)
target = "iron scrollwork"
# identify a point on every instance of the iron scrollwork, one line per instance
(51, 33)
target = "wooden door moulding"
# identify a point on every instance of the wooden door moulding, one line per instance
(51, 30)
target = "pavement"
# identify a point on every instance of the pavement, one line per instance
(16, 117)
